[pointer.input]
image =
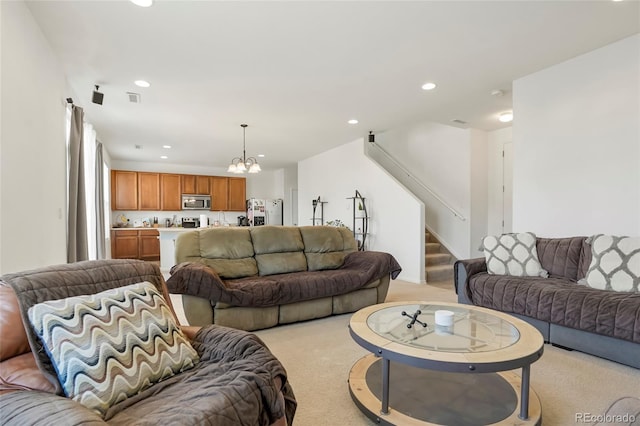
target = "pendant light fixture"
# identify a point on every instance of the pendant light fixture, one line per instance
(243, 164)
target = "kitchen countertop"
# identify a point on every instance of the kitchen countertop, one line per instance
(163, 228)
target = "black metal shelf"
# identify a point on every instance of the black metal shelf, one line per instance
(362, 231)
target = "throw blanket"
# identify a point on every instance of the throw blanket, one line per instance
(556, 300)
(359, 269)
(232, 385)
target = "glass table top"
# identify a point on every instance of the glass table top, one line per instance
(471, 330)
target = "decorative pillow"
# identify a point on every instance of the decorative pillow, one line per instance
(512, 254)
(615, 263)
(109, 346)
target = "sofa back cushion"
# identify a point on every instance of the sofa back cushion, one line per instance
(14, 338)
(326, 246)
(228, 251)
(278, 249)
(561, 257)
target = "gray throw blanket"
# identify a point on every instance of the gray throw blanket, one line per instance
(359, 269)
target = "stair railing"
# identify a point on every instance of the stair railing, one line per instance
(416, 180)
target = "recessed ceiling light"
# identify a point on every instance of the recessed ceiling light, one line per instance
(261, 155)
(506, 117)
(164, 157)
(166, 146)
(428, 86)
(353, 121)
(142, 83)
(142, 3)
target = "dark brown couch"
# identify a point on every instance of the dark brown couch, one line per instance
(599, 322)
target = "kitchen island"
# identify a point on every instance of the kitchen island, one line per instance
(168, 246)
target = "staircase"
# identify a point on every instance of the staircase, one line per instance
(438, 261)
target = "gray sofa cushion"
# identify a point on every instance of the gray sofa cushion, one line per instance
(561, 256)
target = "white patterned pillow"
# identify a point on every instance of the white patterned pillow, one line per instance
(615, 263)
(111, 345)
(512, 254)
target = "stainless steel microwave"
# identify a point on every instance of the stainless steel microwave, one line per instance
(196, 202)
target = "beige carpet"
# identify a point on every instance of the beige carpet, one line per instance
(319, 354)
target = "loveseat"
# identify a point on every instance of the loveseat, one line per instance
(235, 380)
(600, 322)
(259, 277)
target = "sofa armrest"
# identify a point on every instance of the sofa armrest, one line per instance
(42, 408)
(462, 271)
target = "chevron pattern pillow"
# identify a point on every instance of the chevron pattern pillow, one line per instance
(615, 263)
(111, 345)
(512, 254)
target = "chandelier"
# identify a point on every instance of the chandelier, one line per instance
(243, 164)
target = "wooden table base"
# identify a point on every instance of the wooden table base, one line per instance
(427, 397)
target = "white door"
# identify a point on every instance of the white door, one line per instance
(294, 206)
(507, 187)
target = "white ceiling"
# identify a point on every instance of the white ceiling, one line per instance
(297, 71)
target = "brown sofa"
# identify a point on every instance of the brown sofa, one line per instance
(253, 278)
(237, 379)
(604, 323)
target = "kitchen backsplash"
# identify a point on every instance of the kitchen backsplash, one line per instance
(223, 218)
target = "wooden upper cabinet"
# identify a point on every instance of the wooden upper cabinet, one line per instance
(170, 192)
(148, 191)
(195, 184)
(124, 190)
(237, 194)
(219, 193)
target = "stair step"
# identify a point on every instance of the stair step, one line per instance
(439, 273)
(437, 259)
(432, 248)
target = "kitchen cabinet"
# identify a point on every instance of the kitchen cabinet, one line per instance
(135, 244)
(237, 194)
(219, 193)
(124, 244)
(148, 191)
(170, 192)
(163, 191)
(124, 190)
(195, 184)
(148, 245)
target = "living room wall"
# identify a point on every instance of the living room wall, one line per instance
(397, 217)
(576, 138)
(32, 150)
(450, 162)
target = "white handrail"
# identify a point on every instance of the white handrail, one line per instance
(419, 182)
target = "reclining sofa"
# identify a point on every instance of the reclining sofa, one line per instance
(259, 277)
(235, 379)
(604, 323)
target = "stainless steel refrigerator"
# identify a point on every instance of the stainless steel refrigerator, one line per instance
(264, 212)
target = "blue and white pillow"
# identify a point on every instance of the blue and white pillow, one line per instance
(109, 346)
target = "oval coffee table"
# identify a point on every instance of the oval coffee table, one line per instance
(431, 363)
